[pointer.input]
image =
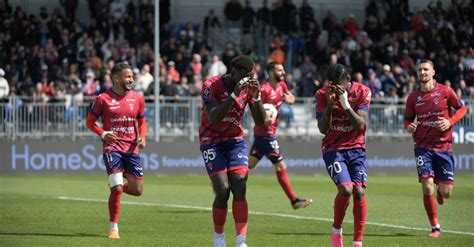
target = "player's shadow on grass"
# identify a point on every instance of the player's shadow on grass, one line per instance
(50, 234)
(322, 234)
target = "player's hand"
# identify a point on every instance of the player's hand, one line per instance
(141, 142)
(331, 94)
(243, 83)
(289, 98)
(254, 89)
(412, 127)
(109, 136)
(344, 100)
(443, 124)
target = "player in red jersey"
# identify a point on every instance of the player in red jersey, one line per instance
(124, 131)
(428, 117)
(342, 110)
(222, 146)
(265, 142)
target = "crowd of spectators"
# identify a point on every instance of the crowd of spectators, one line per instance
(382, 51)
(51, 57)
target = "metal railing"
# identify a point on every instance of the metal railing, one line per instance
(22, 118)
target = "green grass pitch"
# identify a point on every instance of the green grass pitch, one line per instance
(174, 211)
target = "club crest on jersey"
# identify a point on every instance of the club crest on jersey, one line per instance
(436, 101)
(131, 106)
(205, 92)
(419, 101)
(209, 165)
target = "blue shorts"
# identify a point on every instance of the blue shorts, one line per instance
(439, 165)
(266, 146)
(127, 163)
(225, 156)
(347, 167)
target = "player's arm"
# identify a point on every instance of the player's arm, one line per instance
(409, 122)
(216, 112)
(258, 112)
(289, 98)
(94, 127)
(141, 126)
(324, 109)
(360, 118)
(95, 112)
(461, 110)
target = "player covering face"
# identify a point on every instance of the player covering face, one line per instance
(428, 117)
(222, 146)
(274, 92)
(342, 111)
(124, 131)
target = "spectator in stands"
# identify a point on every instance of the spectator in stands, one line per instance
(351, 27)
(308, 76)
(263, 15)
(248, 16)
(306, 13)
(233, 12)
(217, 67)
(229, 53)
(172, 72)
(211, 21)
(4, 87)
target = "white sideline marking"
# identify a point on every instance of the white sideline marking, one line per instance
(257, 213)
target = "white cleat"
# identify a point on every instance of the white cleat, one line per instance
(240, 241)
(219, 240)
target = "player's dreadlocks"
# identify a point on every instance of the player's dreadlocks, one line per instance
(242, 62)
(118, 67)
(338, 73)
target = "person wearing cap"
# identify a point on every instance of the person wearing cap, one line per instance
(388, 80)
(173, 72)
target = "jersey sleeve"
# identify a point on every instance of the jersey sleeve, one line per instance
(97, 106)
(410, 113)
(284, 87)
(453, 100)
(208, 94)
(320, 104)
(141, 111)
(365, 101)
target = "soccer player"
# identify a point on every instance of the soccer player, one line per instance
(265, 142)
(124, 131)
(342, 110)
(428, 117)
(222, 146)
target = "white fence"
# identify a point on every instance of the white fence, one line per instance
(21, 118)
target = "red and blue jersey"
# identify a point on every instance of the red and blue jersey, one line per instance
(428, 108)
(342, 135)
(274, 96)
(119, 114)
(215, 91)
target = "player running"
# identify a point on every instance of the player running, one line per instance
(265, 142)
(428, 117)
(342, 110)
(124, 131)
(222, 146)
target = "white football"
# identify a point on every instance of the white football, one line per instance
(271, 111)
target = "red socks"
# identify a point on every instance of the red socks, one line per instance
(114, 204)
(285, 184)
(241, 214)
(360, 215)
(340, 206)
(219, 216)
(431, 210)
